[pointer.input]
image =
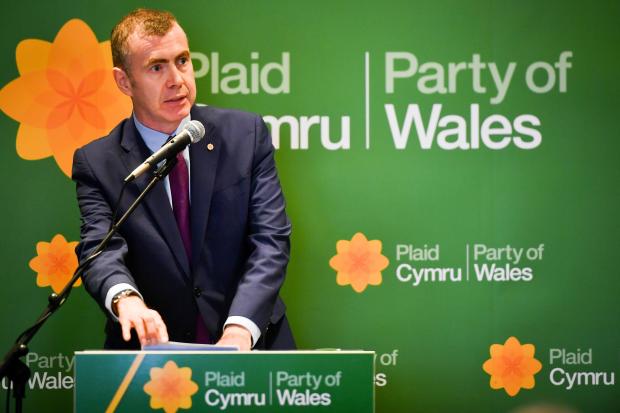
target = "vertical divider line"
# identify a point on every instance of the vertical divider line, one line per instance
(367, 96)
(467, 260)
(270, 388)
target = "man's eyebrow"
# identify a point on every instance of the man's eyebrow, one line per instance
(153, 61)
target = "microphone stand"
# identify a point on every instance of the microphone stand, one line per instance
(12, 366)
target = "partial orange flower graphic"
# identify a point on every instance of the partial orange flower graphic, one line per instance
(65, 96)
(512, 366)
(55, 263)
(359, 262)
(171, 387)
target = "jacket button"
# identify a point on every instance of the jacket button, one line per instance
(197, 292)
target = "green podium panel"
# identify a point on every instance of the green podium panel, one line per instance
(197, 381)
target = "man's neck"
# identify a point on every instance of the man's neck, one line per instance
(146, 128)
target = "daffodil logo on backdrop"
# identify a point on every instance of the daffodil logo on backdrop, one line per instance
(65, 96)
(512, 366)
(358, 262)
(171, 388)
(55, 263)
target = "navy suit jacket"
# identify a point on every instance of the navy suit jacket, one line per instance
(240, 231)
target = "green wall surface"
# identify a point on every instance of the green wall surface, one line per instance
(474, 146)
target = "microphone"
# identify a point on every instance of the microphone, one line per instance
(192, 133)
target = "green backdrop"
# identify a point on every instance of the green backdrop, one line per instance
(374, 105)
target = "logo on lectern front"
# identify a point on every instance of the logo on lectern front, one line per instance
(171, 388)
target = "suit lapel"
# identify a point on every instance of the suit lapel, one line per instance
(204, 157)
(156, 202)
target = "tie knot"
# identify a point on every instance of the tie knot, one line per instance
(180, 158)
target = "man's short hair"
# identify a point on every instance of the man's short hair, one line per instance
(144, 22)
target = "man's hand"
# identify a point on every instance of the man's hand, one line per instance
(133, 313)
(236, 335)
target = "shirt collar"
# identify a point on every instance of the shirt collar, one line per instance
(155, 139)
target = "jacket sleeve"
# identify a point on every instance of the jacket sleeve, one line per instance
(268, 238)
(109, 268)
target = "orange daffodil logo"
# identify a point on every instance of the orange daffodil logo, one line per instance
(55, 263)
(358, 262)
(512, 366)
(171, 388)
(65, 96)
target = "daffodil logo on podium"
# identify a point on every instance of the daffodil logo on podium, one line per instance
(171, 388)
(358, 262)
(512, 366)
(65, 95)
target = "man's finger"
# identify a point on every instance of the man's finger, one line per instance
(150, 325)
(162, 331)
(126, 327)
(138, 325)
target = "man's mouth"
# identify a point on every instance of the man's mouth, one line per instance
(175, 99)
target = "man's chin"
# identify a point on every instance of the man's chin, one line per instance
(178, 114)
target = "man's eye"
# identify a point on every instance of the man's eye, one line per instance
(182, 60)
(156, 68)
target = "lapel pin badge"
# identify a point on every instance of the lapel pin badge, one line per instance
(210, 146)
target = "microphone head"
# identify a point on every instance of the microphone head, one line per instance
(195, 130)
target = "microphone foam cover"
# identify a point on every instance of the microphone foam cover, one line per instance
(196, 130)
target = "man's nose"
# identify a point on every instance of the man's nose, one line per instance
(174, 77)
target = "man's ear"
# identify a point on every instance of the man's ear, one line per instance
(122, 80)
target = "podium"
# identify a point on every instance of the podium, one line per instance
(217, 381)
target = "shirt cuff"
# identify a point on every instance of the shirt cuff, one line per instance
(247, 324)
(115, 289)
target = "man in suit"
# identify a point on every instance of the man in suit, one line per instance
(203, 258)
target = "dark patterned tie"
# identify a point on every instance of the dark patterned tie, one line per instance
(179, 190)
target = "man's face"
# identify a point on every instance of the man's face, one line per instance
(160, 79)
